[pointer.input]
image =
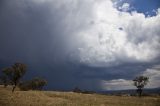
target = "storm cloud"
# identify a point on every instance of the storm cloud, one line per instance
(79, 43)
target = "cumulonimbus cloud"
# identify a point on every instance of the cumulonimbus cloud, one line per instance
(92, 32)
(105, 36)
(98, 34)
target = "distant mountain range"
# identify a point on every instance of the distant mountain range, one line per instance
(131, 91)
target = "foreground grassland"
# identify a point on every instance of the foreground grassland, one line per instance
(53, 98)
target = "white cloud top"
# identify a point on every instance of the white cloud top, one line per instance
(125, 7)
(101, 35)
(107, 37)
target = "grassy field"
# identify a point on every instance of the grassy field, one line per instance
(53, 98)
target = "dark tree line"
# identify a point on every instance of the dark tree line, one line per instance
(13, 75)
(34, 84)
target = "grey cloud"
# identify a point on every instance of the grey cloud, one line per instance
(59, 40)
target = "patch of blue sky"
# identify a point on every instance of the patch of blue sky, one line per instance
(148, 7)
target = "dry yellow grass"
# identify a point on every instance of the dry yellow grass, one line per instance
(53, 98)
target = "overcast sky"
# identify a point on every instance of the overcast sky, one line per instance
(90, 44)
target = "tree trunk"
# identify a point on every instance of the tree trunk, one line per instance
(139, 91)
(14, 87)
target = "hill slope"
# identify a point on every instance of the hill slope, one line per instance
(53, 98)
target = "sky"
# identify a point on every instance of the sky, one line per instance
(95, 45)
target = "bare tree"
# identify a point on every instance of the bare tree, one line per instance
(140, 82)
